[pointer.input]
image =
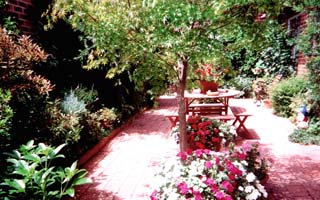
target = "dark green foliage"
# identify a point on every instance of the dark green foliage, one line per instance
(32, 174)
(271, 58)
(282, 95)
(311, 135)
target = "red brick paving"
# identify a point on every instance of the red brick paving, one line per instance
(124, 168)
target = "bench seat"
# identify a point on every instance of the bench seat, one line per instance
(241, 115)
(173, 117)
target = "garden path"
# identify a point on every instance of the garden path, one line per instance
(125, 168)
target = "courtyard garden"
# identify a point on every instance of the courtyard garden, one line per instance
(92, 68)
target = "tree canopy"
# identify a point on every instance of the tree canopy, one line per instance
(156, 41)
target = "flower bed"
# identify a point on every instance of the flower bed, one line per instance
(205, 133)
(203, 174)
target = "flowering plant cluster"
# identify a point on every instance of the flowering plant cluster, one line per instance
(210, 72)
(205, 133)
(208, 175)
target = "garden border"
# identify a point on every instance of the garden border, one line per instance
(102, 143)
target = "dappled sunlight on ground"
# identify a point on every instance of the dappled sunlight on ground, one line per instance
(124, 169)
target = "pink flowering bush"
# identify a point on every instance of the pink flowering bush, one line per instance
(204, 133)
(207, 175)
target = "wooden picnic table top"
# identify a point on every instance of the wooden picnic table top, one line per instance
(223, 93)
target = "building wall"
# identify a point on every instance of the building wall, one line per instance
(22, 11)
(296, 24)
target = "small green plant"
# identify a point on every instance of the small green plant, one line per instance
(71, 104)
(311, 135)
(32, 174)
(88, 96)
(282, 95)
(65, 128)
(243, 84)
(6, 114)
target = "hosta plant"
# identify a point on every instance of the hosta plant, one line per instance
(208, 175)
(33, 175)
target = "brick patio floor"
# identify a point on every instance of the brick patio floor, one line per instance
(124, 168)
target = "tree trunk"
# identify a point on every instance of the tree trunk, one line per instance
(183, 66)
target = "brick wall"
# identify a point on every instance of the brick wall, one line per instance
(22, 11)
(296, 25)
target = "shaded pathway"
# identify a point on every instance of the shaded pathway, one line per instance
(124, 169)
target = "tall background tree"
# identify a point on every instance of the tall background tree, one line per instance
(157, 42)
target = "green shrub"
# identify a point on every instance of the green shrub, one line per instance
(282, 95)
(88, 96)
(6, 114)
(311, 135)
(32, 174)
(64, 125)
(243, 84)
(97, 125)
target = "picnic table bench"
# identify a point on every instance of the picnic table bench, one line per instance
(241, 116)
(173, 117)
(206, 108)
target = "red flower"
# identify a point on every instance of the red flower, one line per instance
(182, 155)
(189, 151)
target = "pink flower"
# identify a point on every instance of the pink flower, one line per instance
(206, 151)
(219, 195)
(227, 185)
(208, 164)
(197, 195)
(242, 156)
(209, 181)
(183, 188)
(233, 169)
(199, 152)
(182, 155)
(154, 195)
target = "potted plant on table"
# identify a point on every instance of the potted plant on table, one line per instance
(210, 77)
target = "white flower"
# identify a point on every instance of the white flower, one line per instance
(251, 177)
(262, 190)
(240, 188)
(249, 189)
(254, 195)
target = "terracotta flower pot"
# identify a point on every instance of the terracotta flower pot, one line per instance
(208, 85)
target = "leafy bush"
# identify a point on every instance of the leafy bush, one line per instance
(243, 84)
(6, 114)
(98, 124)
(32, 174)
(88, 96)
(311, 135)
(282, 94)
(64, 125)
